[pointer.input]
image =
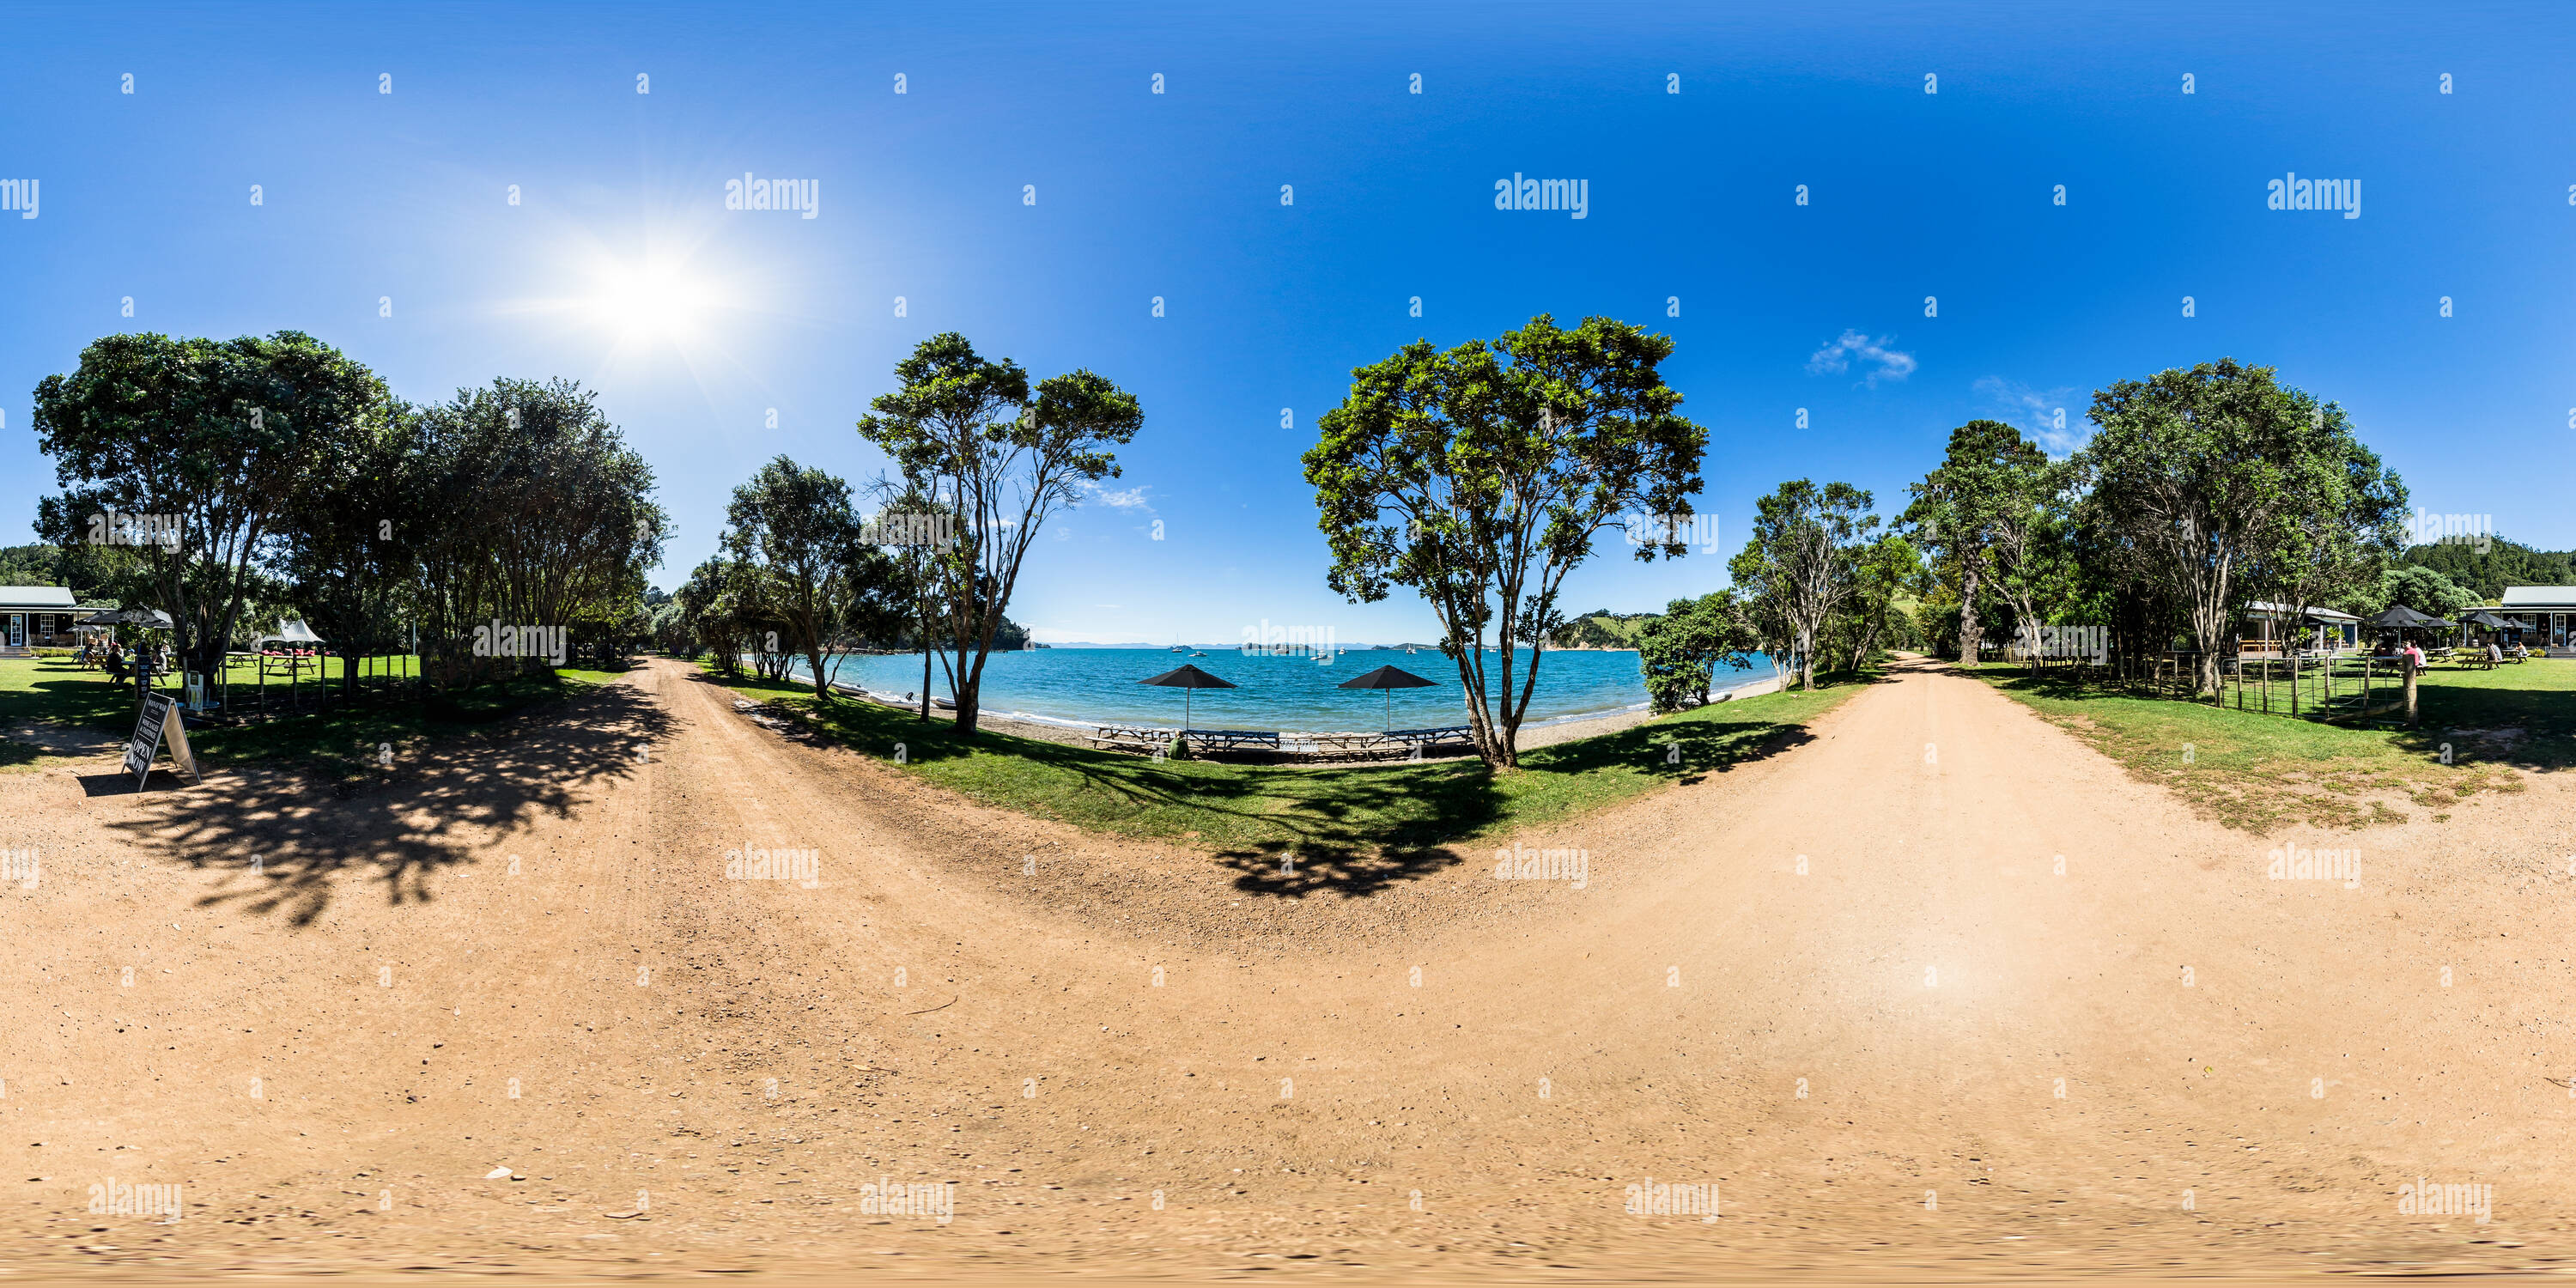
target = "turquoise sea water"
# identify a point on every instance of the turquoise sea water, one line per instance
(1091, 686)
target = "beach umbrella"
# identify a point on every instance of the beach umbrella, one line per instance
(1390, 679)
(2399, 615)
(1185, 679)
(152, 617)
(2400, 618)
(2485, 620)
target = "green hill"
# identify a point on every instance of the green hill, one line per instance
(1601, 629)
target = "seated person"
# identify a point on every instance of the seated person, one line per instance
(2495, 652)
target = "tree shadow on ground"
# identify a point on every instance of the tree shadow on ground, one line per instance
(290, 839)
(1292, 870)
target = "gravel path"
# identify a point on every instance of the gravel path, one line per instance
(506, 1012)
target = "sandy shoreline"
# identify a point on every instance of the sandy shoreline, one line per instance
(1530, 735)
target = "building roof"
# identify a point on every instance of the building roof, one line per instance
(36, 597)
(2316, 612)
(2539, 596)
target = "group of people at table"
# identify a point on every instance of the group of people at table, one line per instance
(138, 666)
(151, 657)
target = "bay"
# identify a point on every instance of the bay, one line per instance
(1094, 686)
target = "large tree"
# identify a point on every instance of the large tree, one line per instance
(1679, 652)
(1478, 477)
(531, 510)
(2332, 547)
(350, 531)
(1801, 562)
(1884, 571)
(918, 532)
(205, 440)
(794, 527)
(1003, 457)
(2027, 547)
(1989, 479)
(2199, 470)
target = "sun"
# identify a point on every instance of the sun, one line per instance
(650, 300)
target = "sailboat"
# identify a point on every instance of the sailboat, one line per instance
(1178, 647)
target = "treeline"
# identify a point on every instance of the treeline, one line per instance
(1817, 583)
(2202, 491)
(229, 482)
(2486, 572)
(930, 557)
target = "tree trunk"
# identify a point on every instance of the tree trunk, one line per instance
(969, 699)
(1968, 639)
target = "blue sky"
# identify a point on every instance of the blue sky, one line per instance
(620, 266)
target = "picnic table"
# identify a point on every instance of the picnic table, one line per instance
(1337, 746)
(1232, 739)
(1137, 738)
(1132, 738)
(1447, 736)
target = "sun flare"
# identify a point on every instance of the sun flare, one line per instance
(651, 300)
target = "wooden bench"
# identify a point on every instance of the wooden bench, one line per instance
(1132, 738)
(1345, 746)
(1432, 739)
(1331, 746)
(1232, 739)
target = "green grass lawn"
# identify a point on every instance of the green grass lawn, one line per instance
(2260, 772)
(1325, 812)
(339, 740)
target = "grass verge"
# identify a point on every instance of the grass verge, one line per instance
(2258, 772)
(338, 741)
(1264, 809)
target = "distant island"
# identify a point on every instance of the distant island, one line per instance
(1602, 629)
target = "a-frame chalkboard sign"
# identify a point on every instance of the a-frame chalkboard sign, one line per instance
(158, 723)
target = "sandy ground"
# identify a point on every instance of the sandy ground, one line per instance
(1845, 985)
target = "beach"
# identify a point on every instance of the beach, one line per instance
(1531, 735)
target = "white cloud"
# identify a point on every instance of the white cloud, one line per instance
(2040, 413)
(1836, 358)
(1126, 499)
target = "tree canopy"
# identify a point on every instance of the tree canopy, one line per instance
(1000, 459)
(1477, 476)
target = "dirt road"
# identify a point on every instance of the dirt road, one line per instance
(1939, 992)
